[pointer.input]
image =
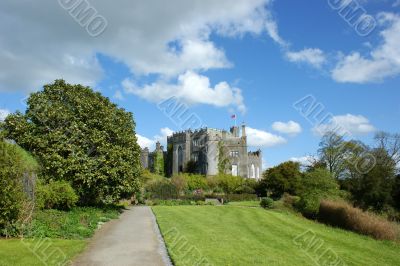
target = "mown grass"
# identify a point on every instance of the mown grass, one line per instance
(39, 251)
(231, 235)
(78, 223)
(250, 203)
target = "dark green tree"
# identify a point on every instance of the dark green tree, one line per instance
(81, 137)
(374, 188)
(285, 177)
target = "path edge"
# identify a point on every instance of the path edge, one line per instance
(162, 249)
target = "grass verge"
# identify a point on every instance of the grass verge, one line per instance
(16, 252)
(230, 235)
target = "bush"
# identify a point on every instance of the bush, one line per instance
(77, 223)
(317, 185)
(289, 200)
(55, 195)
(162, 189)
(343, 215)
(15, 163)
(228, 183)
(267, 203)
(195, 182)
(240, 197)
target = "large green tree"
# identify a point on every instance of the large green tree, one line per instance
(80, 136)
(286, 177)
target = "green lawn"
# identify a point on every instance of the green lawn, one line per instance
(39, 252)
(250, 203)
(231, 235)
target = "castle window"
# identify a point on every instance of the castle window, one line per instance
(234, 170)
(196, 142)
(234, 153)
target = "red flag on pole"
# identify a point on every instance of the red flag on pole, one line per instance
(233, 116)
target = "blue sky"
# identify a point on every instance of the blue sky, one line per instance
(252, 58)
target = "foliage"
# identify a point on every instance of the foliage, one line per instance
(267, 203)
(195, 182)
(333, 153)
(78, 223)
(162, 189)
(228, 183)
(239, 197)
(14, 164)
(317, 185)
(180, 182)
(396, 192)
(158, 166)
(223, 160)
(230, 235)
(374, 189)
(81, 137)
(286, 177)
(55, 195)
(343, 215)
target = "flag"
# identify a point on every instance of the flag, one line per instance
(233, 116)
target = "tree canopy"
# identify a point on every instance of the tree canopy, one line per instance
(81, 137)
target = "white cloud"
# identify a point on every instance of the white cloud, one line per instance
(312, 56)
(290, 127)
(396, 3)
(272, 30)
(145, 142)
(382, 62)
(190, 88)
(260, 138)
(3, 114)
(304, 160)
(346, 124)
(150, 37)
(151, 143)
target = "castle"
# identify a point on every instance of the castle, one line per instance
(206, 151)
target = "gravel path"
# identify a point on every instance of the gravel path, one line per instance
(133, 239)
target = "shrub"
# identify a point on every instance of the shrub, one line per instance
(14, 164)
(180, 182)
(162, 189)
(267, 203)
(289, 200)
(228, 183)
(343, 215)
(244, 189)
(195, 182)
(317, 185)
(55, 195)
(240, 197)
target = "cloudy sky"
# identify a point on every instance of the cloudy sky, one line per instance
(289, 70)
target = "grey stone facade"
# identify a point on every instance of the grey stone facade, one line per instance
(202, 148)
